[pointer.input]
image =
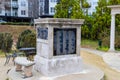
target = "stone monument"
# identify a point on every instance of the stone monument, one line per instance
(58, 46)
(58, 52)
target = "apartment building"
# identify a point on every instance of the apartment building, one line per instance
(47, 7)
(27, 10)
(33, 8)
(2, 9)
(18, 10)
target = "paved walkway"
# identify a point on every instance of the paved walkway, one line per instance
(4, 69)
(110, 58)
(100, 53)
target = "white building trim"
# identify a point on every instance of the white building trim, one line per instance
(115, 9)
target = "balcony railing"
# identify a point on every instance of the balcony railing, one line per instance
(13, 5)
(7, 4)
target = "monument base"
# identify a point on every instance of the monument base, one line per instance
(89, 73)
(59, 65)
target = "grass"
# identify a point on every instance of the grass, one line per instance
(103, 48)
(118, 49)
(89, 43)
(1, 54)
(85, 43)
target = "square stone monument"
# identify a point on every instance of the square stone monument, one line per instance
(58, 46)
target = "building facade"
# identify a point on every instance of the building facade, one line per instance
(47, 7)
(27, 10)
(33, 8)
(2, 8)
(18, 10)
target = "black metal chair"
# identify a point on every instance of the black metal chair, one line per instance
(8, 56)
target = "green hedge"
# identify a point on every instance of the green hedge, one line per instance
(6, 42)
(26, 39)
(17, 23)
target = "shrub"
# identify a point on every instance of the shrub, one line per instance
(16, 23)
(26, 39)
(6, 42)
(117, 41)
(105, 37)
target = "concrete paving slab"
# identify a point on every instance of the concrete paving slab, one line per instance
(113, 60)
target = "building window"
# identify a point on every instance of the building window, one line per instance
(94, 3)
(41, 0)
(52, 10)
(23, 12)
(0, 10)
(23, 3)
(53, 1)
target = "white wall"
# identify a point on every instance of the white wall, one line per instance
(23, 5)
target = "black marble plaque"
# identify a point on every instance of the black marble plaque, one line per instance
(64, 41)
(42, 33)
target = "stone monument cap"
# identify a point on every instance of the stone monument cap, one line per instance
(59, 21)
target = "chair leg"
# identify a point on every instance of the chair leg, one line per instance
(13, 60)
(7, 59)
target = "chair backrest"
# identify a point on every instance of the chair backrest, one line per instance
(10, 55)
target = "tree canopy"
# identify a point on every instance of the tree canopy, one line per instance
(69, 9)
(95, 25)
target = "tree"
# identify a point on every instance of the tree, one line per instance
(85, 6)
(101, 19)
(114, 2)
(76, 12)
(69, 9)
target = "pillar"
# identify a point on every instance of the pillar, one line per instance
(112, 34)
